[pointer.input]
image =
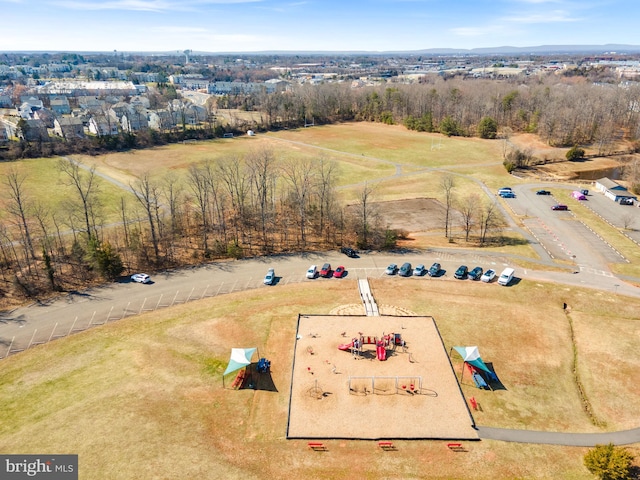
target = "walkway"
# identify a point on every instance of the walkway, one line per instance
(624, 437)
(370, 305)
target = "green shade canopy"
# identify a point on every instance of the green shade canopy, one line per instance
(471, 355)
(240, 357)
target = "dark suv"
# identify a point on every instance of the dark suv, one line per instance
(476, 273)
(434, 270)
(349, 252)
(461, 272)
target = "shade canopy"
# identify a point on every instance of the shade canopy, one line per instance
(471, 355)
(240, 357)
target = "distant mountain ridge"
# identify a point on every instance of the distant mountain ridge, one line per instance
(504, 50)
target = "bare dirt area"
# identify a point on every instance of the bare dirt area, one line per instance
(405, 392)
(412, 214)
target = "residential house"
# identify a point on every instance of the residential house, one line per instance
(160, 120)
(34, 130)
(28, 106)
(118, 110)
(68, 128)
(60, 106)
(134, 121)
(89, 102)
(102, 125)
(140, 101)
(187, 113)
(45, 115)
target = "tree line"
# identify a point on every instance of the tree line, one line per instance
(235, 207)
(564, 111)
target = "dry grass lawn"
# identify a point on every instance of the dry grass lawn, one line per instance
(144, 395)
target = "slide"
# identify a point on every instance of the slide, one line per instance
(345, 346)
(381, 352)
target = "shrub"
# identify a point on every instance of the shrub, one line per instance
(608, 462)
(488, 128)
(575, 153)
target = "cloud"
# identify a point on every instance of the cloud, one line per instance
(553, 16)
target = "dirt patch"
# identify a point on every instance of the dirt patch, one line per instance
(412, 215)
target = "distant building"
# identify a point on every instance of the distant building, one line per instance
(102, 126)
(613, 190)
(34, 130)
(68, 128)
(60, 106)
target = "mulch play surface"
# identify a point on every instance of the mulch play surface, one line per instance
(414, 395)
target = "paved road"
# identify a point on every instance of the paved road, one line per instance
(40, 322)
(624, 437)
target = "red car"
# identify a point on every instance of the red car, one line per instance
(339, 273)
(559, 207)
(326, 270)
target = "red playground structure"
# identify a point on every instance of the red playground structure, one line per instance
(389, 341)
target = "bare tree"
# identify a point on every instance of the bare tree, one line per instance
(147, 193)
(447, 184)
(236, 182)
(86, 187)
(488, 220)
(299, 176)
(327, 172)
(468, 208)
(198, 185)
(262, 170)
(628, 221)
(18, 207)
(366, 213)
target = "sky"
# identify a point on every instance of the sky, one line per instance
(311, 25)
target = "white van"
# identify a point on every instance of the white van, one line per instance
(506, 276)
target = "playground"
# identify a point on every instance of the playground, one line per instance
(366, 377)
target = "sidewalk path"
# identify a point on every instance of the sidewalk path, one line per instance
(624, 437)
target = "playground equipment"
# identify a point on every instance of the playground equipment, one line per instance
(385, 385)
(263, 366)
(388, 341)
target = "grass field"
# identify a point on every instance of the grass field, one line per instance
(143, 397)
(45, 185)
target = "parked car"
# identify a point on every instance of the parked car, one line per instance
(461, 272)
(270, 277)
(141, 278)
(405, 270)
(508, 195)
(543, 192)
(626, 201)
(488, 276)
(506, 276)
(476, 273)
(349, 252)
(559, 206)
(391, 269)
(504, 190)
(339, 272)
(312, 272)
(419, 270)
(434, 270)
(326, 270)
